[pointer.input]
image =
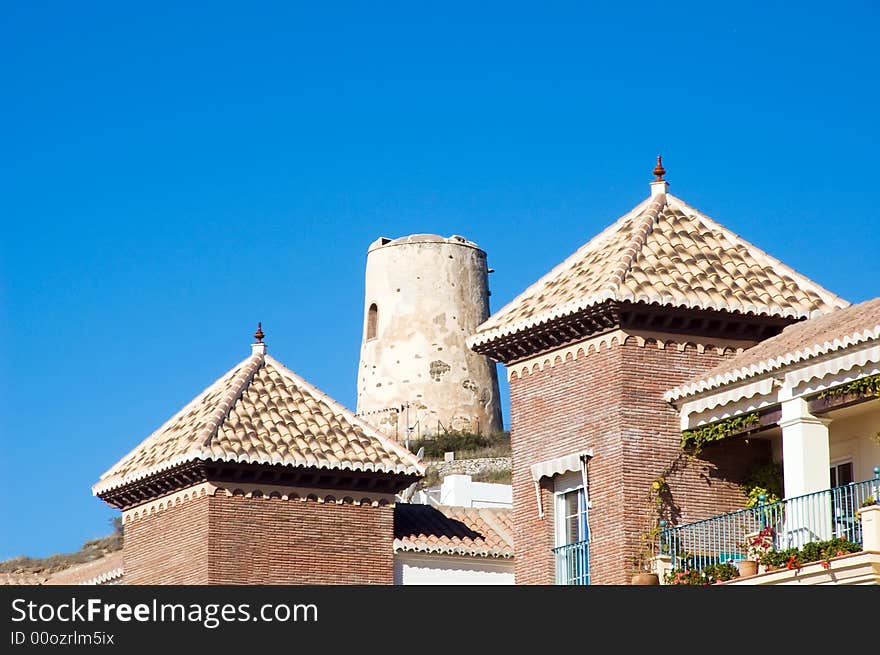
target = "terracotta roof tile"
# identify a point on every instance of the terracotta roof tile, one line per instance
(262, 413)
(100, 571)
(798, 342)
(663, 252)
(453, 530)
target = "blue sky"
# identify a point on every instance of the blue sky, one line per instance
(171, 174)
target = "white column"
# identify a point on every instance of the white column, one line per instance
(806, 460)
(806, 454)
(661, 565)
(870, 517)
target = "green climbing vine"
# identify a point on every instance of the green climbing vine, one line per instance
(869, 386)
(657, 495)
(763, 479)
(697, 438)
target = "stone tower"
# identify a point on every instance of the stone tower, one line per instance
(425, 294)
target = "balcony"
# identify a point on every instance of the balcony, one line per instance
(573, 563)
(795, 521)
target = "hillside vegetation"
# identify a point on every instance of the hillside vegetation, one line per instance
(90, 550)
(465, 445)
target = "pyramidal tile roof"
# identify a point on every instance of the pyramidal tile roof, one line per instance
(260, 412)
(663, 252)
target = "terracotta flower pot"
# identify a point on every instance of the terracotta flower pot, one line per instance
(747, 567)
(645, 579)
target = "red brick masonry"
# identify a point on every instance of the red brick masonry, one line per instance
(611, 401)
(224, 539)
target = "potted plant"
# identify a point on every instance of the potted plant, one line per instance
(757, 545)
(643, 560)
(708, 575)
(685, 576)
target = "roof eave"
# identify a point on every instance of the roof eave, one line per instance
(463, 551)
(117, 482)
(735, 376)
(484, 342)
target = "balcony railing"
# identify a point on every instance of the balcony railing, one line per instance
(573, 564)
(795, 521)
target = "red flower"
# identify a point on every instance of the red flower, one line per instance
(826, 564)
(839, 553)
(792, 563)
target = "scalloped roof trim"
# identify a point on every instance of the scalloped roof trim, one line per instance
(441, 549)
(772, 364)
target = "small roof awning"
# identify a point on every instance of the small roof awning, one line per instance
(551, 467)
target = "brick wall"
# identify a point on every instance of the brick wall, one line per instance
(274, 541)
(554, 412)
(168, 547)
(611, 401)
(700, 488)
(224, 539)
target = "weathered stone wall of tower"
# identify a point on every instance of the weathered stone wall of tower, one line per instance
(425, 294)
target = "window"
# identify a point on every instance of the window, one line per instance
(372, 321)
(841, 474)
(572, 552)
(844, 506)
(571, 509)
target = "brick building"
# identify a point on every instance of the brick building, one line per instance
(662, 295)
(637, 336)
(263, 479)
(812, 395)
(260, 479)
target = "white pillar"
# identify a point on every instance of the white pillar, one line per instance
(806, 456)
(661, 565)
(870, 517)
(806, 460)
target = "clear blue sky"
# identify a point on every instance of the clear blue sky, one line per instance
(172, 173)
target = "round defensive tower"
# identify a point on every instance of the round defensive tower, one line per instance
(425, 294)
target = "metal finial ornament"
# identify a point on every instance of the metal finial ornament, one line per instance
(258, 335)
(659, 171)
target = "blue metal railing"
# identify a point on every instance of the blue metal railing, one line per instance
(573, 563)
(795, 521)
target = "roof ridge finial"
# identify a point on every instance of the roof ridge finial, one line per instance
(259, 348)
(659, 171)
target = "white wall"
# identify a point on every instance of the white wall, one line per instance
(853, 437)
(462, 491)
(425, 569)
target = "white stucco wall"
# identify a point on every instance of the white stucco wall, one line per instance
(854, 438)
(814, 442)
(462, 490)
(431, 293)
(423, 569)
